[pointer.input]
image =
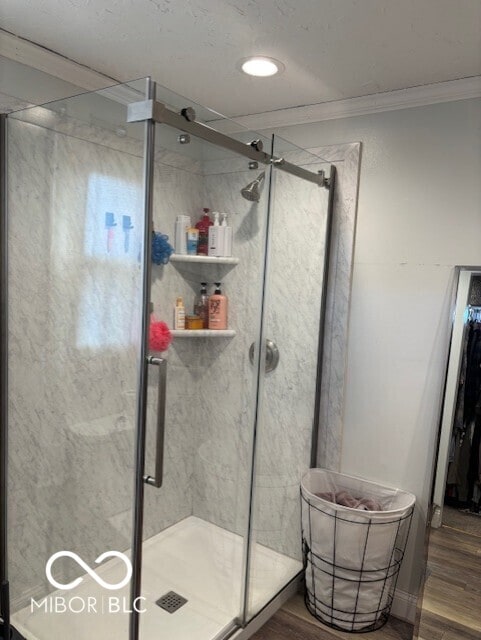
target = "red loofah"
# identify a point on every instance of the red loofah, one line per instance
(159, 336)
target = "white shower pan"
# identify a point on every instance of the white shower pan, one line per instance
(194, 558)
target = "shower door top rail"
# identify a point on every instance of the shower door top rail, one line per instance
(185, 121)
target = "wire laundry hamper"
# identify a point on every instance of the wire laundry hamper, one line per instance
(352, 557)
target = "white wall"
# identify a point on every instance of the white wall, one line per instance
(419, 215)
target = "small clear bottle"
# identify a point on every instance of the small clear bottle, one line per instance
(201, 305)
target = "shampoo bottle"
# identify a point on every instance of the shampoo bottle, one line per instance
(217, 309)
(201, 306)
(227, 236)
(179, 314)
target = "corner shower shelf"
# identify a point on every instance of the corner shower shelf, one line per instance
(177, 257)
(202, 333)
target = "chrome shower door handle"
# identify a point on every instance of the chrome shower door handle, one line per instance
(272, 355)
(156, 480)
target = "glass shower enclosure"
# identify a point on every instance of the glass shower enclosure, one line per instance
(153, 494)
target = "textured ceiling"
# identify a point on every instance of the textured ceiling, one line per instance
(332, 49)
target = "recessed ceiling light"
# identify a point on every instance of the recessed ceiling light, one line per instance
(260, 66)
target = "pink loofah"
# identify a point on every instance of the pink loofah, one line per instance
(159, 336)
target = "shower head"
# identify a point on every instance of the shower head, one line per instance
(251, 191)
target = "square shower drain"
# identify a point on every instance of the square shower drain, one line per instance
(171, 601)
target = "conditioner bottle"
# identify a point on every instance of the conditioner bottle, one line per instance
(216, 246)
(217, 309)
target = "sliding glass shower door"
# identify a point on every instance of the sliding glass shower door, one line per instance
(75, 230)
(196, 523)
(289, 393)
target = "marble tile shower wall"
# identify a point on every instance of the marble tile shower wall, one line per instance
(216, 378)
(225, 391)
(212, 382)
(33, 478)
(294, 284)
(176, 191)
(227, 386)
(292, 320)
(347, 158)
(74, 323)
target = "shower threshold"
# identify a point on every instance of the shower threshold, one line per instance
(194, 558)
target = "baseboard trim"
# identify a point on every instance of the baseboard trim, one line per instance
(404, 606)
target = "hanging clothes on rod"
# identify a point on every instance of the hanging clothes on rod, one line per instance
(474, 313)
(464, 473)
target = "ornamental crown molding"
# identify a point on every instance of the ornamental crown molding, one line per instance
(37, 57)
(424, 95)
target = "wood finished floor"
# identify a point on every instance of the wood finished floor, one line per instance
(461, 520)
(294, 622)
(451, 604)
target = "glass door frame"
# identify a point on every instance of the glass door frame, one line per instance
(4, 588)
(142, 374)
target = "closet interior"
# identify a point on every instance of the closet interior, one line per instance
(463, 484)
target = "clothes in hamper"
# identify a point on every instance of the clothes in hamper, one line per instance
(345, 499)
